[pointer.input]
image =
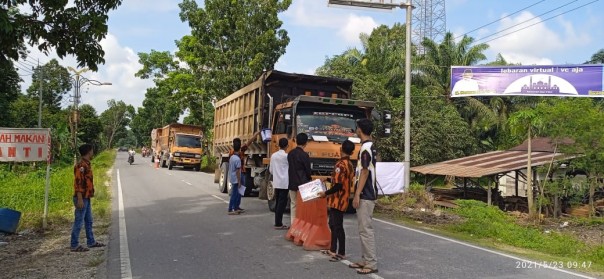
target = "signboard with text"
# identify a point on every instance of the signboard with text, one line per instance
(24, 145)
(553, 80)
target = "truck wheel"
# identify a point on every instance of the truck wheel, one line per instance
(271, 205)
(198, 168)
(163, 163)
(249, 184)
(223, 181)
(152, 159)
(170, 165)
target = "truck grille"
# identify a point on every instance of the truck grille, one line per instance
(322, 164)
(187, 155)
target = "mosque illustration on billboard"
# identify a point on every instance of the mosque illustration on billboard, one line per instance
(540, 87)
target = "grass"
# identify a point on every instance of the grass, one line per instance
(24, 192)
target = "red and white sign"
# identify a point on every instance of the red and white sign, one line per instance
(24, 145)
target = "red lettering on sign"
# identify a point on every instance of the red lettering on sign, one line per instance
(12, 152)
(0, 152)
(40, 152)
(26, 149)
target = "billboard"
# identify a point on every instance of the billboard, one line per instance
(24, 145)
(553, 80)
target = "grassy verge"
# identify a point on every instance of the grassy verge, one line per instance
(25, 193)
(488, 226)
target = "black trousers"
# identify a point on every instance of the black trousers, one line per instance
(281, 196)
(338, 237)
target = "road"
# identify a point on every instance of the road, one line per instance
(175, 225)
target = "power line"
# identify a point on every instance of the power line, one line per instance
(536, 17)
(571, 10)
(498, 20)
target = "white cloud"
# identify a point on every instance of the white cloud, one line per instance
(312, 13)
(121, 63)
(536, 44)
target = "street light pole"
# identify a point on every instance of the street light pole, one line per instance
(389, 5)
(78, 81)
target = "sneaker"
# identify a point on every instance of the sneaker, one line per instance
(240, 210)
(234, 212)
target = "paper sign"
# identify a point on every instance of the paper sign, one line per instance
(311, 190)
(242, 190)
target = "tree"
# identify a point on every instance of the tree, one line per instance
(9, 90)
(527, 123)
(55, 25)
(231, 42)
(597, 58)
(115, 120)
(54, 81)
(90, 126)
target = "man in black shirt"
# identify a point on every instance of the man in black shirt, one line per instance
(298, 171)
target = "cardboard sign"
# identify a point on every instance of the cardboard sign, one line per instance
(311, 190)
(24, 145)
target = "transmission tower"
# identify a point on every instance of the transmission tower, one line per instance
(429, 21)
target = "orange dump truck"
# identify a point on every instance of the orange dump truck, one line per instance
(178, 145)
(286, 104)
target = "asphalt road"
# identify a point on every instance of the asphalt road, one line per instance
(175, 225)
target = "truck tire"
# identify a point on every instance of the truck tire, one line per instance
(249, 183)
(223, 180)
(270, 193)
(170, 166)
(197, 168)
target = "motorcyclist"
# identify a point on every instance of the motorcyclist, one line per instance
(131, 153)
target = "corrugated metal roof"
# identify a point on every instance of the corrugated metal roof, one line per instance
(490, 163)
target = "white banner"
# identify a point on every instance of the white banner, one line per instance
(390, 178)
(24, 145)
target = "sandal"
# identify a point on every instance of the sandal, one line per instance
(328, 253)
(365, 271)
(337, 258)
(97, 245)
(80, 249)
(356, 265)
(281, 227)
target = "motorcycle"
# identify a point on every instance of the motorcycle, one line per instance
(130, 159)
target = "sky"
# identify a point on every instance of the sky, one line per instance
(317, 31)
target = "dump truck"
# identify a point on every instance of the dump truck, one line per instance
(177, 145)
(286, 104)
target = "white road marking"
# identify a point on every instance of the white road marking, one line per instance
(220, 199)
(186, 182)
(126, 270)
(372, 275)
(485, 249)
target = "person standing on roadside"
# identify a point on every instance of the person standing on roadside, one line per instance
(298, 170)
(337, 201)
(235, 178)
(83, 192)
(243, 158)
(279, 169)
(365, 197)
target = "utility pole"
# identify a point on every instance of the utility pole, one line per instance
(41, 72)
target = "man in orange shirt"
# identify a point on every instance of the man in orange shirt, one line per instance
(83, 191)
(338, 196)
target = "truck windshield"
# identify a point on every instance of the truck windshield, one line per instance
(335, 125)
(188, 141)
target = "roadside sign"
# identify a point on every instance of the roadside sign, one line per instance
(550, 80)
(24, 145)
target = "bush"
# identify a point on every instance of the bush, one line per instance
(24, 192)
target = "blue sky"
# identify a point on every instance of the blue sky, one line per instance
(318, 31)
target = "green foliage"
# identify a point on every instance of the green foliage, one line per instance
(24, 191)
(489, 222)
(115, 120)
(9, 90)
(90, 126)
(55, 25)
(54, 82)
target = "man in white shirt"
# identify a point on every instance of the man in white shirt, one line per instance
(466, 85)
(279, 169)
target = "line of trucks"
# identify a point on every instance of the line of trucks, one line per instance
(280, 105)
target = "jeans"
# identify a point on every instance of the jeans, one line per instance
(83, 215)
(235, 197)
(281, 199)
(338, 237)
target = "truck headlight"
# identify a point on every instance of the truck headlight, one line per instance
(198, 156)
(176, 154)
